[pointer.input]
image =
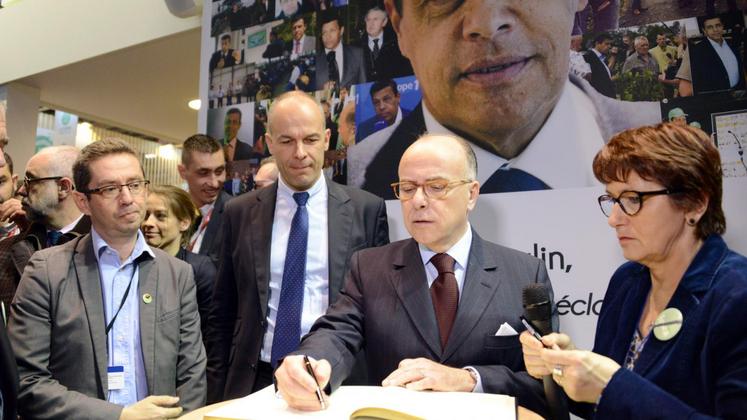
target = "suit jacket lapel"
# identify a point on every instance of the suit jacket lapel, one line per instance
(409, 281)
(87, 275)
(480, 284)
(339, 226)
(211, 230)
(262, 215)
(148, 283)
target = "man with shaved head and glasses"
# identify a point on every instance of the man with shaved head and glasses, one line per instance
(441, 309)
(104, 326)
(47, 209)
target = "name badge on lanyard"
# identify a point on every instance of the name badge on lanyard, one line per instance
(115, 377)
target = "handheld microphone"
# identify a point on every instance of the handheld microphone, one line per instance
(538, 309)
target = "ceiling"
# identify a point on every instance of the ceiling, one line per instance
(144, 89)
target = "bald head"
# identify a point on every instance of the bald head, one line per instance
(292, 102)
(445, 146)
(57, 160)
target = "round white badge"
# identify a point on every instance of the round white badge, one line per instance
(668, 324)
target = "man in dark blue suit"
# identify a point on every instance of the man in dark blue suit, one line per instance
(715, 64)
(385, 98)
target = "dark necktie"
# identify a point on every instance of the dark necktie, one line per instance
(445, 295)
(52, 237)
(376, 49)
(512, 180)
(333, 70)
(287, 333)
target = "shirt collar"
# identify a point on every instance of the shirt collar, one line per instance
(335, 49)
(205, 209)
(716, 44)
(69, 227)
(459, 251)
(575, 116)
(100, 246)
(285, 190)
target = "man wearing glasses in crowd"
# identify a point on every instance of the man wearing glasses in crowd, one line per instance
(444, 304)
(104, 326)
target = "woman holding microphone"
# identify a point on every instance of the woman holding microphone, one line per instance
(671, 339)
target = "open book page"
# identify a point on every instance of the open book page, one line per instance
(346, 400)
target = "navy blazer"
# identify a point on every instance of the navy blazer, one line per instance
(702, 371)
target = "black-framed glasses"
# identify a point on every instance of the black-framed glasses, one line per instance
(436, 188)
(631, 202)
(28, 181)
(114, 190)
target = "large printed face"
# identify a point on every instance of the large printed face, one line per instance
(479, 62)
(232, 125)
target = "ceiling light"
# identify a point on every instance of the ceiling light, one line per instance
(195, 104)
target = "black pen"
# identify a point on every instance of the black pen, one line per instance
(309, 369)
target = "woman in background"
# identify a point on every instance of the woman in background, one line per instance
(671, 339)
(168, 220)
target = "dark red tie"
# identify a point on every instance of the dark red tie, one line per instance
(445, 295)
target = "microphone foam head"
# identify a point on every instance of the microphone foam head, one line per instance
(535, 294)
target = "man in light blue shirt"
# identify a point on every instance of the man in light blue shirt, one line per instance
(104, 326)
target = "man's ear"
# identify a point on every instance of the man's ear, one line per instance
(64, 187)
(81, 200)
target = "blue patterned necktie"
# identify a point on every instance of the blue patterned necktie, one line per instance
(52, 237)
(512, 180)
(287, 334)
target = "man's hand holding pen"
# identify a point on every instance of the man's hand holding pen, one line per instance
(301, 389)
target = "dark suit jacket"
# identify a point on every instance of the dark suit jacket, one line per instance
(8, 375)
(699, 373)
(385, 307)
(213, 238)
(389, 64)
(57, 331)
(16, 251)
(245, 151)
(228, 61)
(600, 79)
(708, 71)
(353, 71)
(613, 116)
(204, 274)
(357, 220)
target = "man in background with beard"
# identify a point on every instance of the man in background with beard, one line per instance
(47, 200)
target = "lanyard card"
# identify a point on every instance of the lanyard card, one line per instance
(115, 377)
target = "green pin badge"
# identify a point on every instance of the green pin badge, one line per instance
(147, 298)
(668, 324)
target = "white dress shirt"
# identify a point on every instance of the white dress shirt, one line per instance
(371, 41)
(728, 59)
(200, 233)
(316, 283)
(562, 151)
(338, 57)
